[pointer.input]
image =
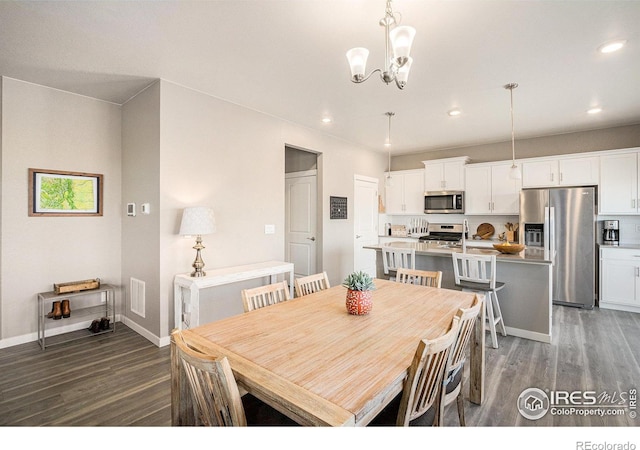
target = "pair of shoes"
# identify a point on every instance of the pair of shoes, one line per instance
(99, 325)
(104, 323)
(56, 311)
(59, 310)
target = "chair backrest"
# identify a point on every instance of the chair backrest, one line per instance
(466, 319)
(213, 387)
(475, 268)
(419, 277)
(265, 296)
(311, 283)
(394, 258)
(423, 387)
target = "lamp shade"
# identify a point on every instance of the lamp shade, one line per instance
(403, 72)
(197, 220)
(358, 61)
(401, 41)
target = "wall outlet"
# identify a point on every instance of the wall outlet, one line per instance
(269, 229)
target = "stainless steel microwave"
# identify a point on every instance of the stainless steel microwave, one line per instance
(444, 202)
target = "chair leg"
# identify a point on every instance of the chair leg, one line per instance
(496, 306)
(460, 403)
(491, 318)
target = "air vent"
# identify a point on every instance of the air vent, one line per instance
(137, 296)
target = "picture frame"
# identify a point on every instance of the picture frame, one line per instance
(55, 193)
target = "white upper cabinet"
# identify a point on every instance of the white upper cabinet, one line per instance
(490, 190)
(565, 171)
(445, 174)
(405, 193)
(619, 184)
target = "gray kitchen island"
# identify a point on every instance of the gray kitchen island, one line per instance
(525, 300)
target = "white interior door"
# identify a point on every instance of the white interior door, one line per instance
(300, 216)
(365, 207)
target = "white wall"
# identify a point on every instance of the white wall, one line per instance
(232, 159)
(49, 129)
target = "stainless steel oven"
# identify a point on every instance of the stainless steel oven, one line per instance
(444, 202)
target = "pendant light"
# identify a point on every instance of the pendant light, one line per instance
(514, 173)
(388, 180)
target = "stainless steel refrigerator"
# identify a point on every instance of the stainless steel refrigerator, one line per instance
(560, 223)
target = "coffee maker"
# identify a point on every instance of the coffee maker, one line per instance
(610, 232)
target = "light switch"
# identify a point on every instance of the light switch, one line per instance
(145, 208)
(269, 229)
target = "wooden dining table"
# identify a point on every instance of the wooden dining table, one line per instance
(311, 360)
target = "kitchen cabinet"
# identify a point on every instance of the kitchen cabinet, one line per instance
(620, 279)
(567, 171)
(619, 183)
(490, 190)
(405, 193)
(445, 174)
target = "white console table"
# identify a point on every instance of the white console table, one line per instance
(187, 307)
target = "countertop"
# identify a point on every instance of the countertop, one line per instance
(621, 246)
(433, 249)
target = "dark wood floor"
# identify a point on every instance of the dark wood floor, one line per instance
(122, 379)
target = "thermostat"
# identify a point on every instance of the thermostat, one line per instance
(131, 209)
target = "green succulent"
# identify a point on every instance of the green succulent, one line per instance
(359, 281)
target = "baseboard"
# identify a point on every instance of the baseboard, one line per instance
(533, 335)
(155, 340)
(33, 337)
(627, 308)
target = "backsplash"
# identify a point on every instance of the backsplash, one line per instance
(629, 228)
(629, 225)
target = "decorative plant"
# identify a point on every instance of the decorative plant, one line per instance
(359, 281)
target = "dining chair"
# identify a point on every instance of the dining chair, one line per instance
(262, 296)
(453, 382)
(311, 283)
(394, 258)
(215, 394)
(477, 273)
(420, 277)
(421, 401)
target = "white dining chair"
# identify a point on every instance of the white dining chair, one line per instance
(394, 258)
(477, 273)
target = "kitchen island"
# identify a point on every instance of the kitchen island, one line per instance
(525, 300)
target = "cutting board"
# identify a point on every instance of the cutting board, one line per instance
(484, 231)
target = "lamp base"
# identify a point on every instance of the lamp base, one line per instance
(198, 264)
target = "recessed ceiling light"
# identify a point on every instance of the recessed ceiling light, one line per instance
(595, 110)
(326, 120)
(612, 46)
(454, 112)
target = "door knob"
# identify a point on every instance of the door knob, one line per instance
(312, 238)
(358, 236)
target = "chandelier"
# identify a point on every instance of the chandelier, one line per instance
(397, 64)
(514, 173)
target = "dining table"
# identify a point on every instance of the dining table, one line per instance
(321, 366)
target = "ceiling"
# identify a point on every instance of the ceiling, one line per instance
(287, 59)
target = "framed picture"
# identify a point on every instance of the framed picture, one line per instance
(59, 193)
(338, 207)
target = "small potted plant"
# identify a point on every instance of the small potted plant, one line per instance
(359, 296)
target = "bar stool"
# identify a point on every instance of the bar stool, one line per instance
(394, 258)
(477, 273)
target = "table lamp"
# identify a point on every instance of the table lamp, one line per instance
(197, 221)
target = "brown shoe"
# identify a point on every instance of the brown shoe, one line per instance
(95, 326)
(66, 309)
(56, 311)
(104, 323)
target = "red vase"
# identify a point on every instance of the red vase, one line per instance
(359, 302)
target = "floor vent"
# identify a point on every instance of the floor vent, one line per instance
(136, 293)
